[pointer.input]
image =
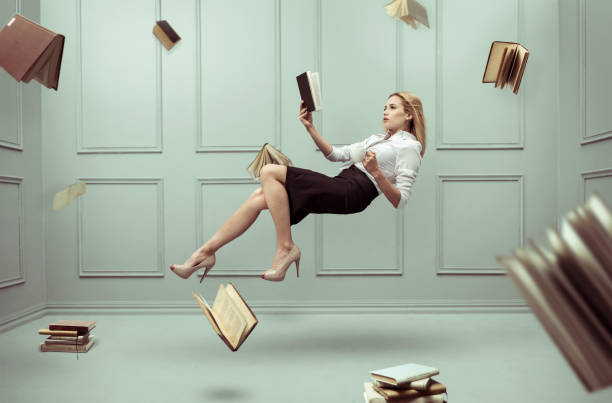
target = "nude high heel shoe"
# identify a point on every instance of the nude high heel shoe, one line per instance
(277, 273)
(185, 272)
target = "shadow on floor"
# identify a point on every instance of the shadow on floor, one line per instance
(221, 394)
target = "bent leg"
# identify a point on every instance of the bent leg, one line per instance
(273, 185)
(235, 226)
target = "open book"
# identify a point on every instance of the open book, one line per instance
(267, 155)
(569, 289)
(506, 65)
(230, 316)
(409, 11)
(310, 90)
(28, 50)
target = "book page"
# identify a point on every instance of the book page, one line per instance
(496, 54)
(315, 87)
(228, 316)
(206, 309)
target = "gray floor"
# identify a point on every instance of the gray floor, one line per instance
(485, 357)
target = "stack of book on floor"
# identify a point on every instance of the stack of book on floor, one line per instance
(68, 336)
(569, 289)
(405, 383)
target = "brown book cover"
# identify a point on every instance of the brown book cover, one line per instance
(28, 50)
(164, 32)
(81, 326)
(67, 348)
(434, 388)
(80, 340)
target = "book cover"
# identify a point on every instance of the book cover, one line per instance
(310, 90)
(166, 34)
(401, 374)
(74, 341)
(421, 384)
(67, 348)
(435, 388)
(28, 50)
(81, 326)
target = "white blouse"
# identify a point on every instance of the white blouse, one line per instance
(399, 158)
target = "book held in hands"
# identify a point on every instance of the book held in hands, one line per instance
(310, 90)
(506, 65)
(29, 51)
(569, 289)
(267, 155)
(230, 316)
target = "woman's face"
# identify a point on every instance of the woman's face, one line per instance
(394, 116)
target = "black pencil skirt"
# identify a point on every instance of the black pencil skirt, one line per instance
(351, 191)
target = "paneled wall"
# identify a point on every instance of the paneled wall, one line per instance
(22, 282)
(162, 139)
(585, 164)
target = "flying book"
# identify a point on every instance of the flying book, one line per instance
(409, 11)
(310, 90)
(569, 289)
(230, 316)
(28, 50)
(164, 32)
(267, 155)
(506, 65)
(65, 196)
(403, 374)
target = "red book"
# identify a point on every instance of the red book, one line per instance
(28, 50)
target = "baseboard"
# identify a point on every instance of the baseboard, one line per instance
(306, 307)
(19, 318)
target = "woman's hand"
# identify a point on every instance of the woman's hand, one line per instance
(305, 117)
(370, 163)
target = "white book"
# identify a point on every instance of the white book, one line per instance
(401, 374)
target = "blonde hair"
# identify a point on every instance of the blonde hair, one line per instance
(412, 105)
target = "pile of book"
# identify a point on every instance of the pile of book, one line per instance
(71, 336)
(569, 289)
(405, 383)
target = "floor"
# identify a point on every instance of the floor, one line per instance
(482, 357)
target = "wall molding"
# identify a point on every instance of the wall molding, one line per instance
(200, 146)
(441, 144)
(81, 148)
(590, 175)
(199, 203)
(16, 319)
(84, 272)
(18, 146)
(20, 277)
(582, 40)
(461, 270)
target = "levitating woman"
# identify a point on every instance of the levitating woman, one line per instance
(390, 166)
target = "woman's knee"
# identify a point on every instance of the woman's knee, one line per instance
(274, 171)
(258, 199)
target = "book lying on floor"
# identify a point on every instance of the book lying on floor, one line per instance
(400, 375)
(230, 316)
(164, 32)
(28, 50)
(506, 65)
(372, 396)
(569, 289)
(267, 155)
(409, 11)
(421, 384)
(67, 348)
(70, 336)
(310, 90)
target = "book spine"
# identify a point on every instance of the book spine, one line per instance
(58, 332)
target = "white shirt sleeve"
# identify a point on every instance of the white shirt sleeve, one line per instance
(406, 167)
(343, 153)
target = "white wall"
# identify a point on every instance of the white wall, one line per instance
(22, 278)
(163, 139)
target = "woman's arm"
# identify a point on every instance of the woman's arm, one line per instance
(393, 194)
(323, 145)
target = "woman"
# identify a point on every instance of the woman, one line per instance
(390, 166)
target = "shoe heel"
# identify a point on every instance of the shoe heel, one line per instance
(297, 267)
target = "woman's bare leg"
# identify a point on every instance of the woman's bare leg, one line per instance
(235, 226)
(273, 185)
